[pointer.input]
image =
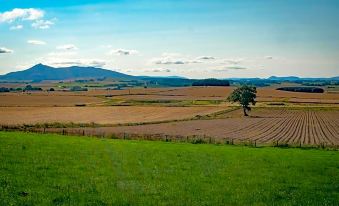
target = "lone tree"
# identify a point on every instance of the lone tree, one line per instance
(245, 95)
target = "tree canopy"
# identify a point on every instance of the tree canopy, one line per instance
(244, 95)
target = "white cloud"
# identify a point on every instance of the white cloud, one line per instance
(36, 42)
(76, 62)
(234, 61)
(228, 68)
(30, 14)
(167, 61)
(160, 70)
(17, 27)
(268, 57)
(4, 50)
(42, 24)
(206, 58)
(123, 52)
(67, 47)
(173, 58)
(235, 67)
(17, 14)
(67, 58)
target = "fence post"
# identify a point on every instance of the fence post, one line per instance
(255, 143)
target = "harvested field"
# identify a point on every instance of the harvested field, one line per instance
(184, 93)
(271, 94)
(100, 115)
(265, 94)
(45, 99)
(96, 97)
(265, 126)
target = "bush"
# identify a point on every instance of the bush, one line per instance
(78, 89)
(4, 89)
(31, 88)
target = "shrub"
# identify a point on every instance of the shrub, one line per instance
(4, 89)
(78, 89)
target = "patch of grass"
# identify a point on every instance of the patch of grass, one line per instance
(58, 170)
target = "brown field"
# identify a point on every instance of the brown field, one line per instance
(97, 97)
(302, 126)
(220, 93)
(266, 126)
(45, 99)
(99, 115)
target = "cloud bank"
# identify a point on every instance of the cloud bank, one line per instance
(20, 15)
(17, 14)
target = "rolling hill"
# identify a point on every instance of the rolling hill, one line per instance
(43, 72)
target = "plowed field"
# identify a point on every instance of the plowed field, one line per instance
(265, 126)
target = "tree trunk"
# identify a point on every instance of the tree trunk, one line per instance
(245, 114)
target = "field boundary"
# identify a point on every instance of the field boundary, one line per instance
(193, 139)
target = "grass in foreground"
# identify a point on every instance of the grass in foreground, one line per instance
(57, 170)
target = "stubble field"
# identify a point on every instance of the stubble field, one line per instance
(99, 115)
(196, 105)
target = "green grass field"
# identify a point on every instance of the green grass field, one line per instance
(60, 170)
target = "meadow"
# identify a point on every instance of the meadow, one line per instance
(49, 169)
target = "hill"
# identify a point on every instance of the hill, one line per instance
(289, 78)
(41, 72)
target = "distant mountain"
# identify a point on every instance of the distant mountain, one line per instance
(289, 78)
(41, 72)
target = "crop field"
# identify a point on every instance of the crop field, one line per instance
(220, 93)
(266, 126)
(99, 115)
(98, 96)
(161, 111)
(49, 169)
(45, 99)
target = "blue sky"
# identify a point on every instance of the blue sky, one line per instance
(234, 38)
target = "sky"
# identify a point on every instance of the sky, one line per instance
(191, 38)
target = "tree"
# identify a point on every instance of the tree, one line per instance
(245, 95)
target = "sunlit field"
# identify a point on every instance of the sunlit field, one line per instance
(57, 170)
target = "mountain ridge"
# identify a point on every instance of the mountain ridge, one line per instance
(41, 72)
